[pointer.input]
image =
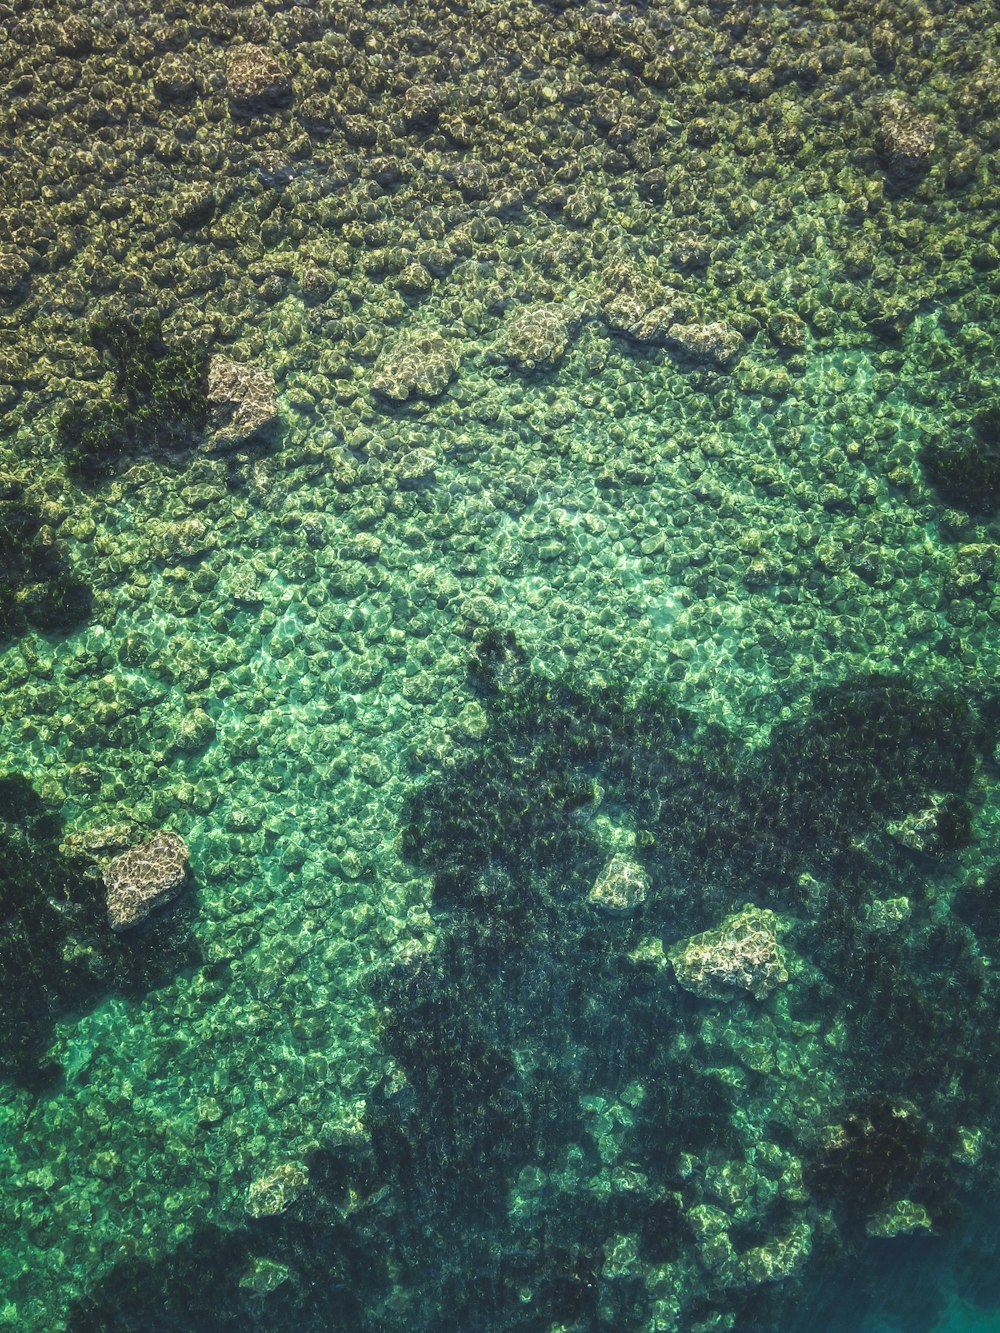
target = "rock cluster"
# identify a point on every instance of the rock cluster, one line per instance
(742, 954)
(145, 878)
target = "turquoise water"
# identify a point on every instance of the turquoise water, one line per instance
(513, 489)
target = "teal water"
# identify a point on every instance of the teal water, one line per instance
(514, 488)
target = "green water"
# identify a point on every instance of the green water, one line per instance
(623, 522)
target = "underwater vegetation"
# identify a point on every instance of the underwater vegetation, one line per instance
(158, 399)
(569, 1136)
(874, 1151)
(267, 1274)
(57, 953)
(530, 997)
(698, 798)
(37, 588)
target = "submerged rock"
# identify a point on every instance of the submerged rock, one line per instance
(536, 337)
(264, 1276)
(243, 403)
(718, 343)
(742, 954)
(145, 878)
(779, 1257)
(256, 80)
(196, 731)
(99, 840)
(271, 1194)
(416, 469)
(620, 887)
(416, 365)
(905, 138)
(902, 1218)
(176, 78)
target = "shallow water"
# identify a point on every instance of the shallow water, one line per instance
(569, 656)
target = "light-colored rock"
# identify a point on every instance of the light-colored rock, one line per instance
(902, 1218)
(272, 1194)
(741, 955)
(14, 271)
(244, 586)
(145, 878)
(716, 343)
(535, 338)
(779, 1257)
(243, 403)
(905, 138)
(415, 365)
(621, 886)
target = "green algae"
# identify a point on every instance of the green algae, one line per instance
(524, 959)
(319, 672)
(966, 472)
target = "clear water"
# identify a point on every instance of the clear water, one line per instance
(587, 760)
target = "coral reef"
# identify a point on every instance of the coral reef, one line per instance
(638, 306)
(905, 138)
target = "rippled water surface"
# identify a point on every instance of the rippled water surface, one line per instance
(499, 771)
